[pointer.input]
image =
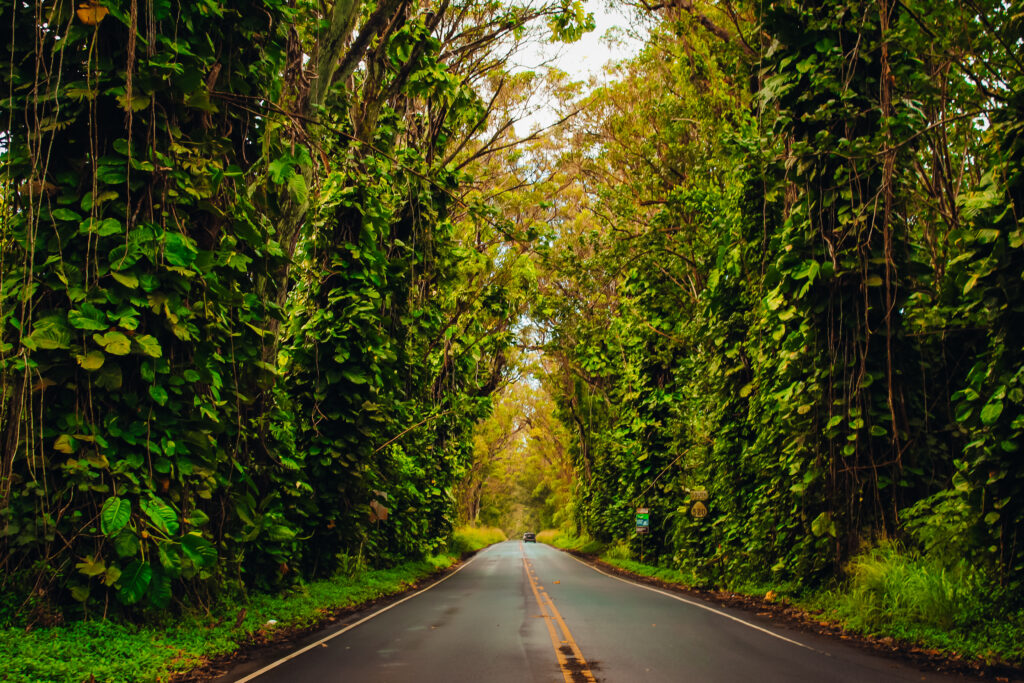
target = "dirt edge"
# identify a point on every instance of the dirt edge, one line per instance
(800, 619)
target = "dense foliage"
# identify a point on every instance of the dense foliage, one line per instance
(790, 277)
(262, 266)
(250, 312)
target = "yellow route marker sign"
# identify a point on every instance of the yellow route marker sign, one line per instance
(699, 510)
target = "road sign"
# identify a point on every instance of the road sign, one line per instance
(698, 495)
(643, 520)
(699, 510)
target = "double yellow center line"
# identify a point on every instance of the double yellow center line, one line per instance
(570, 659)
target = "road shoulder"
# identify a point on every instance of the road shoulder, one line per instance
(780, 614)
(269, 645)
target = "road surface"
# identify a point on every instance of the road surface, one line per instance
(527, 612)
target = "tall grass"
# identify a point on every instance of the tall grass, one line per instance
(889, 581)
(469, 539)
(567, 541)
(950, 606)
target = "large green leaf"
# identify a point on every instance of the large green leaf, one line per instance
(114, 515)
(160, 589)
(133, 582)
(199, 550)
(126, 543)
(91, 361)
(823, 524)
(161, 514)
(126, 279)
(991, 412)
(158, 393)
(148, 345)
(170, 558)
(88, 318)
(92, 566)
(114, 342)
(49, 333)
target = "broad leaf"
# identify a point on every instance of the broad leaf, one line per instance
(199, 550)
(162, 515)
(49, 333)
(133, 582)
(91, 361)
(158, 393)
(148, 345)
(114, 342)
(92, 566)
(114, 515)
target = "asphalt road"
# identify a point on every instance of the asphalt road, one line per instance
(527, 612)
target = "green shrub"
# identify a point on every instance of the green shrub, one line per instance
(618, 551)
(549, 536)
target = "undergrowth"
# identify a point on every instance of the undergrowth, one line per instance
(117, 651)
(567, 541)
(469, 539)
(950, 606)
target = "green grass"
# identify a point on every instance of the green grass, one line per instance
(661, 573)
(469, 539)
(890, 592)
(113, 651)
(952, 608)
(565, 541)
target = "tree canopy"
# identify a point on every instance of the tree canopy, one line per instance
(285, 287)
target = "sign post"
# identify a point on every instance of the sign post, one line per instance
(643, 520)
(643, 527)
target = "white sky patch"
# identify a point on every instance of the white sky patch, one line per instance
(615, 38)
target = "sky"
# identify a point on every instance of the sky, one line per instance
(582, 60)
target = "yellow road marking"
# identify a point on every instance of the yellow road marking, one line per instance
(551, 617)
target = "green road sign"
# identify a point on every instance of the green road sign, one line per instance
(643, 520)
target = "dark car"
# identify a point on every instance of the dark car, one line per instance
(529, 537)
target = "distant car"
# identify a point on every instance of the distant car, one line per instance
(529, 537)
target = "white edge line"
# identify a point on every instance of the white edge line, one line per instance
(274, 665)
(698, 604)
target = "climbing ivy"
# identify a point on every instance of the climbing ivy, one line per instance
(244, 334)
(799, 294)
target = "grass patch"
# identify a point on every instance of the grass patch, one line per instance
(112, 651)
(952, 608)
(565, 541)
(469, 539)
(661, 573)
(891, 592)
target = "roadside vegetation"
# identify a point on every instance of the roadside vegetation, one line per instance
(889, 592)
(781, 311)
(255, 290)
(286, 296)
(163, 644)
(468, 539)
